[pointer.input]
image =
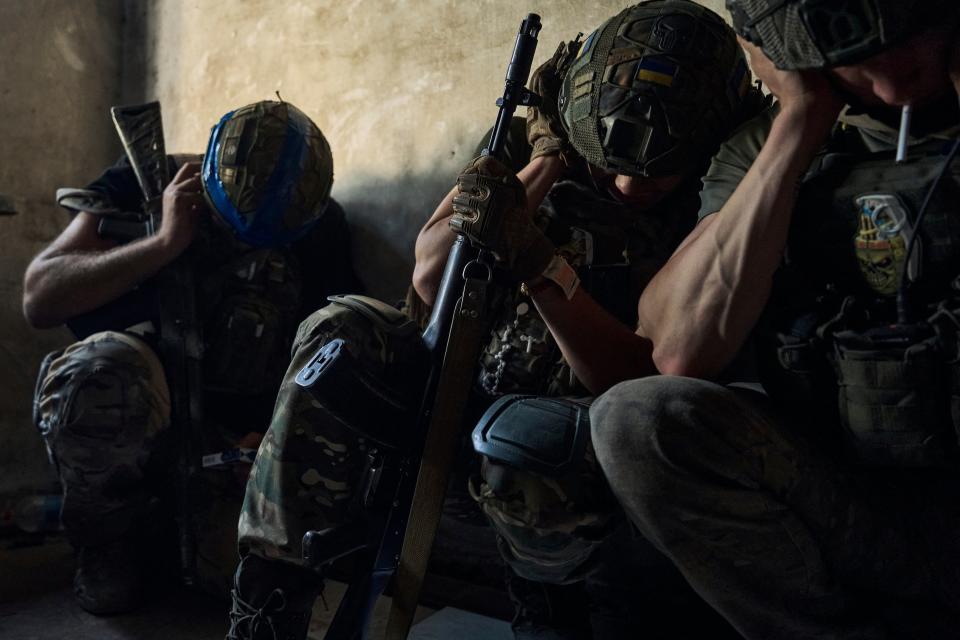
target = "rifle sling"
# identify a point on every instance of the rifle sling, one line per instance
(439, 452)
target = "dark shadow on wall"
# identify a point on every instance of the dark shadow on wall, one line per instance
(385, 216)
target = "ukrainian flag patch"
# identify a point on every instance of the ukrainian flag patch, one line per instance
(657, 71)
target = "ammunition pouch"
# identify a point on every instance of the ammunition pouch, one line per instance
(893, 397)
(249, 327)
(350, 388)
(544, 435)
(893, 389)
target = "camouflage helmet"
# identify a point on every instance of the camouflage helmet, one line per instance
(655, 89)
(267, 172)
(805, 34)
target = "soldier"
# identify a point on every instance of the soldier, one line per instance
(611, 199)
(831, 507)
(265, 241)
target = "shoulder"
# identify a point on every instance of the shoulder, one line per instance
(744, 144)
(733, 160)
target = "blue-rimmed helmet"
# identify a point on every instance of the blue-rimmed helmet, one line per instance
(267, 173)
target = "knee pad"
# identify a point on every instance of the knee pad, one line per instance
(370, 368)
(541, 487)
(107, 390)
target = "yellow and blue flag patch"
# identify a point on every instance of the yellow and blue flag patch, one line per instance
(657, 71)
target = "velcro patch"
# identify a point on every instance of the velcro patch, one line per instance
(657, 71)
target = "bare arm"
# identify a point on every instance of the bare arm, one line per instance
(80, 271)
(700, 308)
(436, 238)
(600, 349)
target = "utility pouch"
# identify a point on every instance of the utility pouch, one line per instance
(893, 397)
(370, 404)
(544, 435)
(946, 322)
(240, 356)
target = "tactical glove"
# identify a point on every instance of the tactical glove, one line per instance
(490, 208)
(545, 130)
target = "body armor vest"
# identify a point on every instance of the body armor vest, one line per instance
(249, 301)
(830, 341)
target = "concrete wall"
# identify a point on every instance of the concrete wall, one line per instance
(403, 89)
(59, 74)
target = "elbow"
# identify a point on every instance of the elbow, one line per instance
(680, 363)
(37, 315)
(36, 307)
(424, 284)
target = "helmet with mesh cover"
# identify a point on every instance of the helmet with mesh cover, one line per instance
(656, 88)
(810, 34)
(267, 173)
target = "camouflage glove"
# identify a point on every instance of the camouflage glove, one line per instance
(545, 130)
(490, 208)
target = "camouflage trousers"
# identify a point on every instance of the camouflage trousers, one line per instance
(102, 406)
(311, 460)
(783, 539)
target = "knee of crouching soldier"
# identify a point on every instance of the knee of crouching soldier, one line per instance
(326, 323)
(638, 425)
(109, 382)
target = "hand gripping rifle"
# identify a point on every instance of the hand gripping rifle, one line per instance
(141, 132)
(411, 484)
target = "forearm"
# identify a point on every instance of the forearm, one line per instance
(435, 239)
(62, 284)
(600, 349)
(702, 305)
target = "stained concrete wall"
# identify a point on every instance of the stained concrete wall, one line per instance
(59, 73)
(403, 89)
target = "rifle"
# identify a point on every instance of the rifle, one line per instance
(141, 132)
(408, 485)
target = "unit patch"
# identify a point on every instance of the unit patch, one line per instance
(881, 242)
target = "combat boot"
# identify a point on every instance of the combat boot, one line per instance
(548, 612)
(272, 600)
(108, 578)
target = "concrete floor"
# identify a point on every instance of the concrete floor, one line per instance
(36, 599)
(36, 603)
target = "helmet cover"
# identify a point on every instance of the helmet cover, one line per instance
(655, 89)
(267, 172)
(811, 34)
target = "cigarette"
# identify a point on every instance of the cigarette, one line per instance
(905, 116)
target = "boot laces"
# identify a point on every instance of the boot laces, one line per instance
(246, 621)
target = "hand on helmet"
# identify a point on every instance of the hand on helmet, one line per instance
(545, 130)
(183, 204)
(490, 208)
(806, 89)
